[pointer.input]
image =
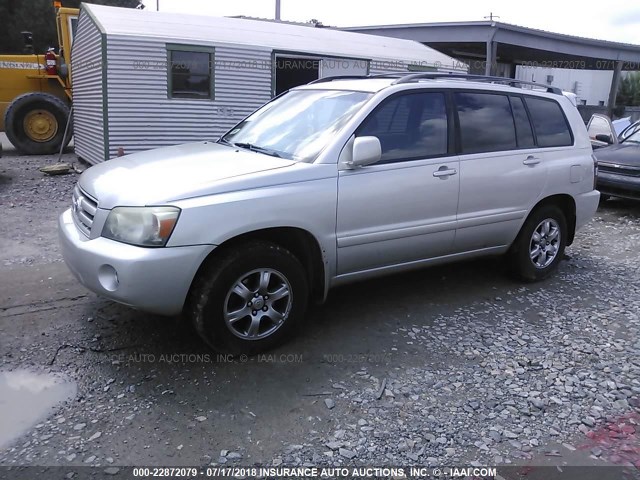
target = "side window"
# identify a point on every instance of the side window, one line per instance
(190, 73)
(549, 123)
(409, 127)
(524, 134)
(486, 122)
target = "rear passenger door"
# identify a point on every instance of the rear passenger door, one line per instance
(403, 208)
(502, 172)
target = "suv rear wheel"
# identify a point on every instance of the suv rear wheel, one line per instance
(250, 299)
(540, 245)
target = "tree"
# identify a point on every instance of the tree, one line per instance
(39, 18)
(629, 90)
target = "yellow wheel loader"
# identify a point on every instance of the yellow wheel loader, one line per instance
(35, 91)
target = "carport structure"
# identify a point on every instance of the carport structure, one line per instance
(495, 48)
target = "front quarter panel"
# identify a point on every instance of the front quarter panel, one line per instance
(308, 204)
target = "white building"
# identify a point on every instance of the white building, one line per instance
(590, 86)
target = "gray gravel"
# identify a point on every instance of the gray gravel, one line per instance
(29, 200)
(531, 367)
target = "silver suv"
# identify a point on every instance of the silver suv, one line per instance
(332, 182)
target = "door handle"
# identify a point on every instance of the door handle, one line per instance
(531, 160)
(444, 172)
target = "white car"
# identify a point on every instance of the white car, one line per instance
(333, 182)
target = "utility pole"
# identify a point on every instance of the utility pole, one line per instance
(277, 9)
(157, 5)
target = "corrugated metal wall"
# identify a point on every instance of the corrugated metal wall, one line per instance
(141, 116)
(87, 67)
(379, 67)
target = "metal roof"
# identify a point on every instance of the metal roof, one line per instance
(506, 26)
(208, 30)
(516, 43)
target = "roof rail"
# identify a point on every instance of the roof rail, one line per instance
(345, 77)
(415, 77)
(358, 77)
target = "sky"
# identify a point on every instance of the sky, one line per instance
(614, 20)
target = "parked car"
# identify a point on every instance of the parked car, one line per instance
(603, 132)
(336, 181)
(618, 172)
(629, 130)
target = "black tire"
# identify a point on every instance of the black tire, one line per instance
(604, 198)
(211, 294)
(521, 263)
(29, 102)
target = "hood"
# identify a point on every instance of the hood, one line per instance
(621, 154)
(173, 173)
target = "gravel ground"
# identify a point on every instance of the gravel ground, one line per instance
(452, 365)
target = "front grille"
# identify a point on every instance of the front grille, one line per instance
(619, 169)
(84, 209)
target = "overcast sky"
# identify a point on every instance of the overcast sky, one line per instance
(612, 20)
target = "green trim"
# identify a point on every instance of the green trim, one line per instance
(105, 98)
(274, 70)
(185, 47)
(103, 54)
(84, 7)
(182, 47)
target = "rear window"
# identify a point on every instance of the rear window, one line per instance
(486, 123)
(550, 124)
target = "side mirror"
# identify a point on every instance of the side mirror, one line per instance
(601, 137)
(366, 150)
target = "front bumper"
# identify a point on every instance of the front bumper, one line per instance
(156, 280)
(624, 186)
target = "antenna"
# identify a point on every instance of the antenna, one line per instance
(491, 16)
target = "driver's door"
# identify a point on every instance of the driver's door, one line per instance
(403, 208)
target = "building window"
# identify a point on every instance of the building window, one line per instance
(190, 71)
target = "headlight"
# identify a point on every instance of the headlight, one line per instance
(144, 226)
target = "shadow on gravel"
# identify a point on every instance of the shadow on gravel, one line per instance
(361, 318)
(621, 206)
(4, 180)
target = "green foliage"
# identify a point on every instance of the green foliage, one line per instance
(39, 18)
(629, 90)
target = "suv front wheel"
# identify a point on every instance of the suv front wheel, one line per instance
(248, 300)
(540, 245)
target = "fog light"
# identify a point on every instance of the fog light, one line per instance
(108, 277)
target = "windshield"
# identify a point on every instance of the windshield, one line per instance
(298, 125)
(633, 135)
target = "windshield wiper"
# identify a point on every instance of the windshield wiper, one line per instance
(224, 141)
(256, 148)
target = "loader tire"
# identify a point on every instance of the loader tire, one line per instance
(35, 123)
